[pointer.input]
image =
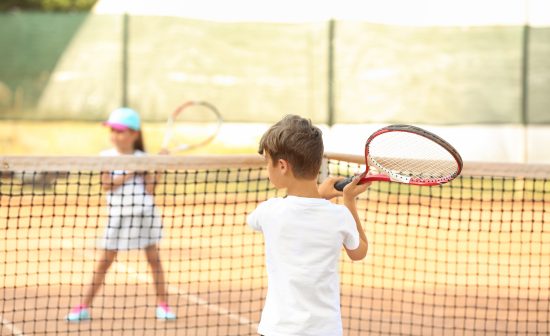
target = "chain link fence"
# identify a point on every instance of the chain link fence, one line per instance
(79, 66)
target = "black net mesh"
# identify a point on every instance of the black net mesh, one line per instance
(469, 257)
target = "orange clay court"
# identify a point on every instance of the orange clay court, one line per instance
(469, 258)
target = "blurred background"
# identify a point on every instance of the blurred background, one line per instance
(475, 72)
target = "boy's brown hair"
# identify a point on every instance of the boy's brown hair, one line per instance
(298, 141)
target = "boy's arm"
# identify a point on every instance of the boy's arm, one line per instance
(361, 251)
(253, 219)
(351, 191)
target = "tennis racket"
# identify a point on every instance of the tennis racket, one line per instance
(193, 124)
(408, 154)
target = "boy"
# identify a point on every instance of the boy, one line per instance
(304, 234)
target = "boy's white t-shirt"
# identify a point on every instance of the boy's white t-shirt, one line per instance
(303, 241)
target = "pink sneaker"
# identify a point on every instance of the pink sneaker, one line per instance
(78, 313)
(164, 312)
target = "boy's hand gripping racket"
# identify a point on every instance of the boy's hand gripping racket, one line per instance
(408, 154)
(176, 136)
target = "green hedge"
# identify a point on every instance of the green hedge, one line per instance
(47, 5)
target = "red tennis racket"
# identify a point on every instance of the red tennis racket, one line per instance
(204, 116)
(408, 154)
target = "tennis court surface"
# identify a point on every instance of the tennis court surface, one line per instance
(470, 257)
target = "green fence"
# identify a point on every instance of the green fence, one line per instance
(79, 66)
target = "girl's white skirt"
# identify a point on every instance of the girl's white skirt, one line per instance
(132, 231)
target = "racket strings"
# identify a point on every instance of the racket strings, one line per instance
(193, 126)
(411, 155)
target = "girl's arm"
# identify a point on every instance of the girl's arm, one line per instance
(150, 179)
(110, 182)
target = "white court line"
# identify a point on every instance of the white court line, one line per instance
(12, 328)
(172, 289)
(189, 297)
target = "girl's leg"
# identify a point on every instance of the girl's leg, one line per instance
(163, 312)
(153, 258)
(99, 275)
(80, 312)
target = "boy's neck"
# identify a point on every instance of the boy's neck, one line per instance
(303, 188)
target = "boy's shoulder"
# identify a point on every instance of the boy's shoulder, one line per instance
(270, 202)
(291, 201)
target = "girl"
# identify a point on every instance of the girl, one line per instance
(134, 222)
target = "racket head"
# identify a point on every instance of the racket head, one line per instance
(410, 154)
(191, 125)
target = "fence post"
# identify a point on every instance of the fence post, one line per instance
(124, 65)
(525, 83)
(330, 73)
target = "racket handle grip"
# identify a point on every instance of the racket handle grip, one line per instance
(340, 185)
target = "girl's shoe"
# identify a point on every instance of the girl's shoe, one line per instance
(164, 312)
(78, 313)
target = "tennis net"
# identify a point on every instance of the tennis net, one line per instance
(469, 257)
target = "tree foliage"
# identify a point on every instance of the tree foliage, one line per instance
(47, 5)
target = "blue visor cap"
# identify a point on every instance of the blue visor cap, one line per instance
(124, 118)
